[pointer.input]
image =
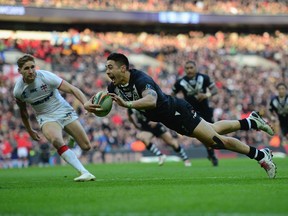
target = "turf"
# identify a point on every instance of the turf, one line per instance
(236, 187)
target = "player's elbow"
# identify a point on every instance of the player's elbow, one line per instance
(149, 105)
(24, 114)
(150, 102)
(152, 106)
(153, 103)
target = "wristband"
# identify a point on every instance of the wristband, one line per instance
(208, 94)
(129, 104)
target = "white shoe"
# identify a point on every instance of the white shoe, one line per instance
(85, 177)
(267, 163)
(187, 163)
(261, 123)
(162, 159)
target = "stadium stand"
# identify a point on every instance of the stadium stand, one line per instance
(204, 6)
(241, 63)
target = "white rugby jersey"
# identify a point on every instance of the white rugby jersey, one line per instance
(42, 94)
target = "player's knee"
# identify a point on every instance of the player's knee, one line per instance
(143, 138)
(173, 143)
(145, 141)
(86, 146)
(56, 142)
(138, 136)
(219, 144)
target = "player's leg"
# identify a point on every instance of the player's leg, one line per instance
(211, 156)
(171, 141)
(146, 138)
(188, 123)
(53, 133)
(76, 130)
(226, 126)
(254, 121)
(207, 115)
(207, 135)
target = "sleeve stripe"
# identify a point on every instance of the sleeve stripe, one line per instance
(60, 84)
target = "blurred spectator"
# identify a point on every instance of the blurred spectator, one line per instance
(104, 143)
(24, 145)
(44, 153)
(6, 152)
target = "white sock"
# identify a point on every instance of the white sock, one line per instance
(249, 123)
(70, 157)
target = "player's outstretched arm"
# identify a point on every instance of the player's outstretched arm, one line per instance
(70, 89)
(148, 100)
(90, 107)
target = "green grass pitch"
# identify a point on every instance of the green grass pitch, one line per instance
(237, 187)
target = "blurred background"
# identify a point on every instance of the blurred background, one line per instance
(242, 45)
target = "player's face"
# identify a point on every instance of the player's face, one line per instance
(28, 71)
(190, 70)
(115, 73)
(282, 91)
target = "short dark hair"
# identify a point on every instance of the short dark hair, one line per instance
(119, 58)
(191, 62)
(281, 84)
(25, 58)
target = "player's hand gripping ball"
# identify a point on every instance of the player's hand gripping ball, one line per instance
(104, 99)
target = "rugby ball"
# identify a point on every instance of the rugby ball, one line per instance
(104, 99)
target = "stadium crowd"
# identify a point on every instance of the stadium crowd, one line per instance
(80, 58)
(200, 6)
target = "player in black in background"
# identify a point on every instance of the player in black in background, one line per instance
(279, 108)
(197, 88)
(149, 130)
(131, 88)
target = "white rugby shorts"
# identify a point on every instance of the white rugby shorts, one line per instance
(62, 116)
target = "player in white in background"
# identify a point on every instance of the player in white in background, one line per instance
(39, 88)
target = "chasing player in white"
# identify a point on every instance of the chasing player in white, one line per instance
(54, 114)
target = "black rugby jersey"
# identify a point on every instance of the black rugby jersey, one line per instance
(191, 87)
(140, 81)
(280, 108)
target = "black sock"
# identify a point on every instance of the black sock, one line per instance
(152, 148)
(148, 147)
(244, 125)
(177, 149)
(255, 154)
(181, 152)
(211, 152)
